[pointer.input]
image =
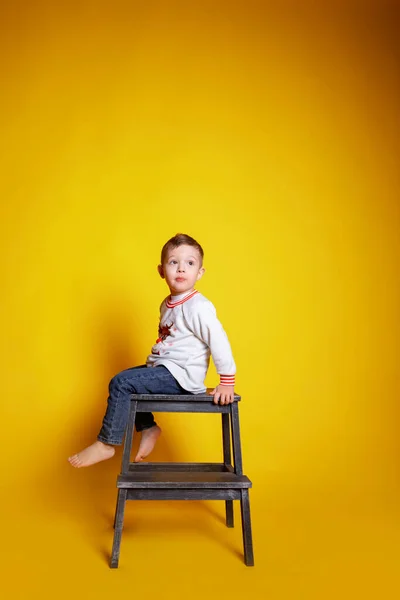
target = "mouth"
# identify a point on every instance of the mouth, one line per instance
(179, 279)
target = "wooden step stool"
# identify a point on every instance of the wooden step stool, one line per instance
(185, 481)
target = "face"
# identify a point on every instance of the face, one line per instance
(181, 269)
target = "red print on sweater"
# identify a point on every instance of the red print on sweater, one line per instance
(163, 332)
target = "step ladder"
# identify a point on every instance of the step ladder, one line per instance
(186, 481)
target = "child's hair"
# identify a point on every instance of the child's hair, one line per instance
(178, 240)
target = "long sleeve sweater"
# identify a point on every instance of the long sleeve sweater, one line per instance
(189, 332)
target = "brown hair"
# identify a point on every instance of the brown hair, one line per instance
(178, 240)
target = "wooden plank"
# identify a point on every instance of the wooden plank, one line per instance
(188, 407)
(229, 468)
(183, 467)
(119, 523)
(226, 438)
(237, 450)
(186, 480)
(178, 397)
(229, 517)
(226, 449)
(126, 455)
(156, 494)
(246, 528)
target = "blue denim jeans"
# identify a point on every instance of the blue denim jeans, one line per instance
(138, 380)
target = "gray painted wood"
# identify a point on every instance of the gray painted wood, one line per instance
(116, 510)
(229, 468)
(154, 494)
(190, 406)
(246, 528)
(226, 439)
(170, 466)
(129, 437)
(178, 397)
(182, 480)
(186, 481)
(226, 449)
(237, 451)
(229, 520)
(119, 523)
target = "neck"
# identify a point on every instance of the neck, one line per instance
(178, 294)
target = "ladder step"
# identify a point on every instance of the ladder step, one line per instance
(182, 480)
(177, 397)
(183, 466)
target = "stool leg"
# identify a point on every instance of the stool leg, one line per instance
(116, 508)
(128, 437)
(246, 528)
(229, 513)
(226, 440)
(237, 451)
(119, 523)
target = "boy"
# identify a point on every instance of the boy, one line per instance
(188, 332)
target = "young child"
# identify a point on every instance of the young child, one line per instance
(189, 332)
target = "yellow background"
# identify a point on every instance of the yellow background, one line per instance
(269, 131)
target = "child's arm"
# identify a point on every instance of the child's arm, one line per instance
(204, 323)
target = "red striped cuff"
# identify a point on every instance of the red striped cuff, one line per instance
(227, 380)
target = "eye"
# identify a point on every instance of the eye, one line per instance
(191, 263)
(172, 262)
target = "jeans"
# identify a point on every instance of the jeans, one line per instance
(138, 380)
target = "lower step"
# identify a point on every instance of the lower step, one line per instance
(182, 480)
(183, 494)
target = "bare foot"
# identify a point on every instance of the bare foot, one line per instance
(92, 455)
(147, 442)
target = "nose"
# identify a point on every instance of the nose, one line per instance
(181, 267)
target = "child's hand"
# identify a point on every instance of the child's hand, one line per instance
(223, 393)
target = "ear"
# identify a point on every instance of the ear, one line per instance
(200, 273)
(161, 271)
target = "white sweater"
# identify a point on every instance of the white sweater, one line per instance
(189, 332)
